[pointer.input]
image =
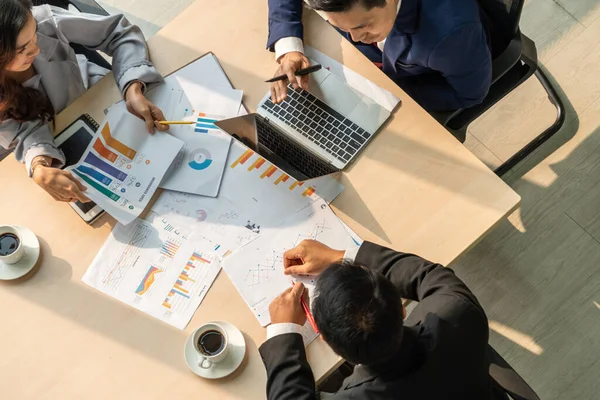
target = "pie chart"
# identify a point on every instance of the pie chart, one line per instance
(200, 159)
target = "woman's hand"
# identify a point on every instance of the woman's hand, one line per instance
(61, 185)
(138, 105)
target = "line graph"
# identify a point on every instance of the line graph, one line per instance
(317, 230)
(127, 257)
(264, 271)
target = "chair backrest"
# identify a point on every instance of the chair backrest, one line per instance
(504, 17)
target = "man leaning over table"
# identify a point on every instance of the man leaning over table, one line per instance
(436, 50)
(438, 352)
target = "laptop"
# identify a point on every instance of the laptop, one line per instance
(331, 120)
(312, 133)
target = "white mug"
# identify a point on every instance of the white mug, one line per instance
(206, 360)
(17, 254)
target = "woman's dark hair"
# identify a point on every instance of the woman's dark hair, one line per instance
(359, 313)
(344, 5)
(17, 102)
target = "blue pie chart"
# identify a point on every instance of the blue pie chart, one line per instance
(200, 159)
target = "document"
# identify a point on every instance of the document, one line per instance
(123, 165)
(155, 267)
(216, 220)
(199, 92)
(383, 97)
(256, 270)
(254, 194)
(199, 166)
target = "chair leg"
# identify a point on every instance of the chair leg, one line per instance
(544, 136)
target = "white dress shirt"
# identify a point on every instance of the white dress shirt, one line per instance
(288, 327)
(292, 43)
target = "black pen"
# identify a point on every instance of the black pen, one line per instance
(300, 72)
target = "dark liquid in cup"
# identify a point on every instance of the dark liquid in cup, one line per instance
(9, 243)
(211, 343)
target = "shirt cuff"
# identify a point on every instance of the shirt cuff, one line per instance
(44, 149)
(287, 45)
(351, 253)
(281, 329)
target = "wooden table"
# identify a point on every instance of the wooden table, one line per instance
(415, 188)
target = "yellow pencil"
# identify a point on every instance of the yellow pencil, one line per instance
(176, 122)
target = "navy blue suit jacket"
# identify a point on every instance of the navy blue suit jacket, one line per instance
(437, 50)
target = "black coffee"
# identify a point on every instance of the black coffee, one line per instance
(211, 343)
(9, 243)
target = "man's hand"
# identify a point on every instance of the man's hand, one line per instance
(287, 308)
(138, 105)
(309, 258)
(289, 63)
(61, 185)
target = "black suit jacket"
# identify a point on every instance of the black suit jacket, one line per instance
(443, 353)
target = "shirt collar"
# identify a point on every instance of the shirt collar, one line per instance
(408, 17)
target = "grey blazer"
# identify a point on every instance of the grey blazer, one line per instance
(63, 76)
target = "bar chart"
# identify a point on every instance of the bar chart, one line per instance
(189, 283)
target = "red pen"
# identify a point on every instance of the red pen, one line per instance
(309, 315)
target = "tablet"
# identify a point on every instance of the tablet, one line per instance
(73, 141)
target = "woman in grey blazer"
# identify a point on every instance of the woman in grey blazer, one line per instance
(40, 75)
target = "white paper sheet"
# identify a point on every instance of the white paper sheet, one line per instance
(123, 165)
(199, 166)
(215, 219)
(256, 270)
(155, 267)
(254, 191)
(383, 97)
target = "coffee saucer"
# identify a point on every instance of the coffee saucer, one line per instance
(31, 246)
(237, 350)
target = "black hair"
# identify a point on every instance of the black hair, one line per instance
(344, 5)
(359, 313)
(16, 101)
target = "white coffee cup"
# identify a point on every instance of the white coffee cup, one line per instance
(208, 356)
(15, 254)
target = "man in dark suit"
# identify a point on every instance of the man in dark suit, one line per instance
(436, 50)
(438, 352)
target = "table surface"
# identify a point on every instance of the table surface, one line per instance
(415, 188)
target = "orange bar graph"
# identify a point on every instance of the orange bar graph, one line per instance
(269, 171)
(115, 144)
(293, 186)
(243, 158)
(165, 304)
(176, 286)
(282, 178)
(103, 151)
(309, 192)
(257, 164)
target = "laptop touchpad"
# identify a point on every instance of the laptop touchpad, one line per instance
(337, 94)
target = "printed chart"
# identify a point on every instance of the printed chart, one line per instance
(267, 193)
(257, 269)
(217, 220)
(123, 165)
(156, 267)
(199, 167)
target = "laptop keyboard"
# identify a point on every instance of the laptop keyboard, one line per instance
(320, 123)
(299, 158)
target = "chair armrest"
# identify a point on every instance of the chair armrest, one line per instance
(88, 6)
(507, 378)
(509, 57)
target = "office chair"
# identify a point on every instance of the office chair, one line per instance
(85, 6)
(514, 60)
(507, 382)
